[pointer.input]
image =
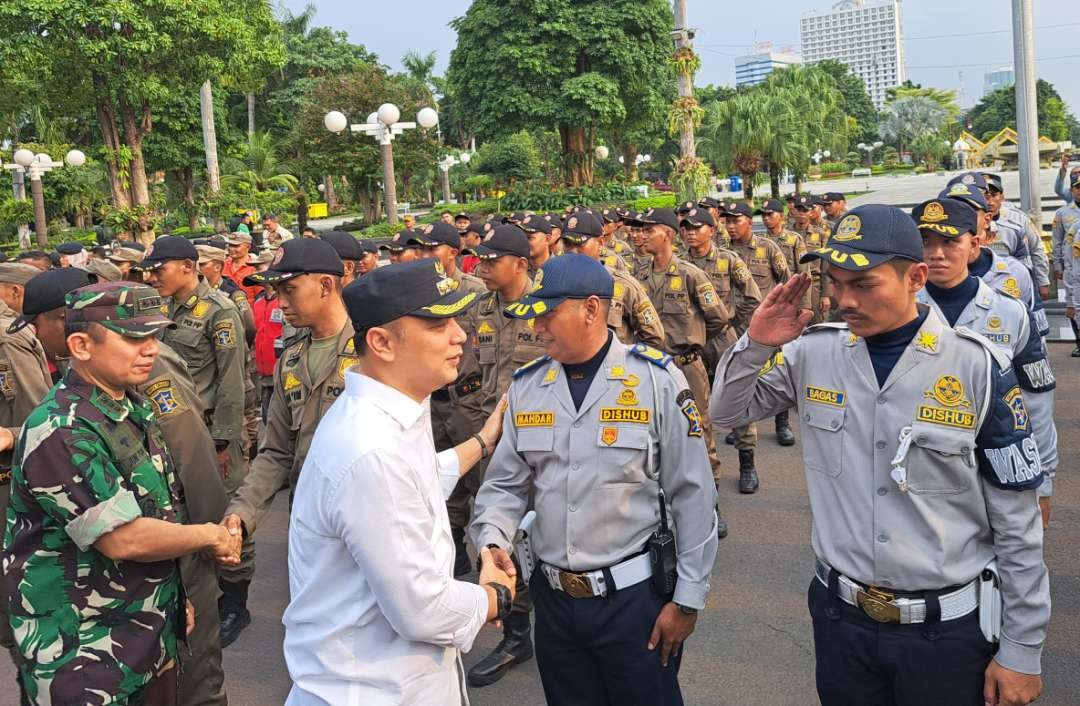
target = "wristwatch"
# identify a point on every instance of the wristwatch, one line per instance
(502, 600)
(686, 610)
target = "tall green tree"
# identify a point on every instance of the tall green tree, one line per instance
(856, 102)
(577, 67)
(997, 110)
(124, 57)
(905, 120)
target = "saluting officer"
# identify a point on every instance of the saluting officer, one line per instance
(309, 375)
(503, 345)
(209, 337)
(457, 410)
(769, 269)
(689, 307)
(948, 229)
(921, 472)
(631, 315)
(609, 440)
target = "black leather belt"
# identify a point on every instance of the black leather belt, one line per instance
(466, 387)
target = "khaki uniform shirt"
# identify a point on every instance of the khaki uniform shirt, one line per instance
(766, 262)
(689, 307)
(501, 344)
(632, 315)
(300, 398)
(24, 381)
(733, 282)
(208, 336)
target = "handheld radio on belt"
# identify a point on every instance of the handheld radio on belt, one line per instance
(662, 551)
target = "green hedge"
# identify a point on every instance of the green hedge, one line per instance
(658, 201)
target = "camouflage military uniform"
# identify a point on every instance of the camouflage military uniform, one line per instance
(692, 314)
(179, 412)
(91, 630)
(24, 382)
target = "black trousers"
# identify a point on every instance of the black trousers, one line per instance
(861, 661)
(594, 651)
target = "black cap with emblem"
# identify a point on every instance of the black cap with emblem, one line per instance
(504, 240)
(869, 236)
(537, 223)
(434, 234)
(771, 206)
(419, 288)
(949, 218)
(580, 226)
(345, 244)
(47, 290)
(166, 249)
(658, 216)
(299, 256)
(733, 209)
(697, 217)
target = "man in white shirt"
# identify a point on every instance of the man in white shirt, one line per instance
(376, 618)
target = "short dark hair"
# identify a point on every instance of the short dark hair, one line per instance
(270, 217)
(446, 213)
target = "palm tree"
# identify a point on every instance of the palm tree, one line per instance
(905, 120)
(259, 169)
(737, 133)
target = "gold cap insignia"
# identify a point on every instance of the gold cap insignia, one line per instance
(934, 212)
(848, 229)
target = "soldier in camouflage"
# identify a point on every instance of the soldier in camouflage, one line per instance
(96, 519)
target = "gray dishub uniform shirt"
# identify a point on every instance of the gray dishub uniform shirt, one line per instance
(595, 495)
(972, 466)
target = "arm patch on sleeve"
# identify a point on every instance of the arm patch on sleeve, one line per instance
(1007, 454)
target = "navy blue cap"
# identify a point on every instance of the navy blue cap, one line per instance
(162, 250)
(684, 207)
(69, 248)
(950, 218)
(569, 276)
(630, 216)
(805, 201)
(503, 240)
(609, 215)
(435, 234)
(993, 181)
(46, 292)
(477, 228)
(516, 217)
(658, 216)
(709, 202)
(580, 226)
(345, 244)
(832, 197)
(969, 179)
(869, 236)
(299, 256)
(968, 193)
(696, 217)
(817, 200)
(537, 223)
(417, 288)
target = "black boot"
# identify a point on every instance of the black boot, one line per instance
(232, 610)
(462, 564)
(784, 435)
(515, 647)
(730, 439)
(748, 480)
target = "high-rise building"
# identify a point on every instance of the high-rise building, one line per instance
(753, 68)
(867, 35)
(1000, 78)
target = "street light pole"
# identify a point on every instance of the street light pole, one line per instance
(383, 125)
(37, 165)
(1027, 118)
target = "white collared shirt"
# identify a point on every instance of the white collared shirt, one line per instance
(376, 617)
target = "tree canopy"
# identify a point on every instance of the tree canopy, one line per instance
(997, 110)
(572, 66)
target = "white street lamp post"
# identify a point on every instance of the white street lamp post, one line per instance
(384, 126)
(444, 169)
(869, 149)
(35, 165)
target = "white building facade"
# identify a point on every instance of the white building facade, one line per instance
(866, 35)
(752, 69)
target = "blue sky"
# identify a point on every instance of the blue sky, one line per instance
(949, 45)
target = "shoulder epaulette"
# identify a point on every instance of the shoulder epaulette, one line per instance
(657, 357)
(294, 339)
(1003, 360)
(532, 364)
